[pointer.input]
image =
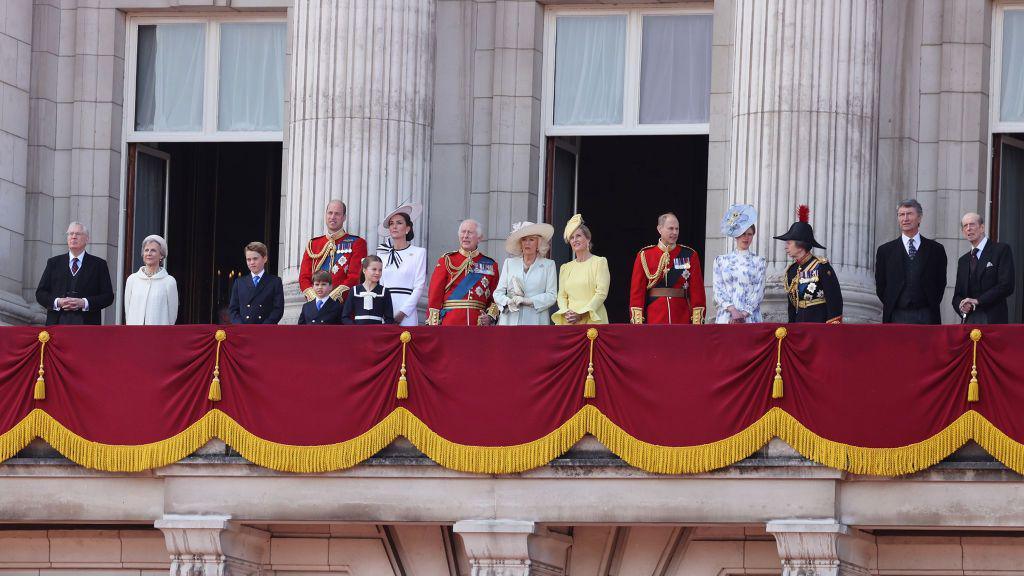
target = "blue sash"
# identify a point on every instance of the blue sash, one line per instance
(467, 283)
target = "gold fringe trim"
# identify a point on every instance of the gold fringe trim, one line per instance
(517, 458)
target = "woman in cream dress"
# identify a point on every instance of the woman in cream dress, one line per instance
(582, 282)
(151, 294)
(527, 286)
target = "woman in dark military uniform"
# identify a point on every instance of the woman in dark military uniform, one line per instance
(811, 283)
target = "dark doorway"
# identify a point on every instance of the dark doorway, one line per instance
(219, 197)
(623, 183)
(1008, 209)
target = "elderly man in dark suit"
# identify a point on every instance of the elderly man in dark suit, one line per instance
(910, 272)
(75, 287)
(984, 276)
(259, 297)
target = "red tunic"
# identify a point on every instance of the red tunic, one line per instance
(340, 254)
(667, 286)
(461, 289)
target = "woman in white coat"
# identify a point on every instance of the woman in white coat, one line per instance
(151, 294)
(405, 265)
(528, 284)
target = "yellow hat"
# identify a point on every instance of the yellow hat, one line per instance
(571, 226)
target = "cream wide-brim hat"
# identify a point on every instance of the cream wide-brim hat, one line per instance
(521, 230)
(413, 210)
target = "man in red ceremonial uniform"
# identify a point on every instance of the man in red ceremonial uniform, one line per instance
(463, 282)
(337, 252)
(667, 286)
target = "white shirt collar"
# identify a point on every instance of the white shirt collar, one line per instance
(320, 301)
(906, 241)
(259, 275)
(981, 246)
(80, 256)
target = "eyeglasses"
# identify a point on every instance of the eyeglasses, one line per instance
(71, 234)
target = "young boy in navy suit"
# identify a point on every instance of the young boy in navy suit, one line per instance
(259, 297)
(323, 309)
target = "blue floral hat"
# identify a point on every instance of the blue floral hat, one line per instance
(737, 219)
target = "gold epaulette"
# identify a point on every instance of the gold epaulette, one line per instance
(310, 294)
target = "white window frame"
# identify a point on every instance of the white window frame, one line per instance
(631, 95)
(211, 80)
(996, 124)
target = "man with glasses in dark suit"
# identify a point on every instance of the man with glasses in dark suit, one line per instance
(984, 276)
(75, 287)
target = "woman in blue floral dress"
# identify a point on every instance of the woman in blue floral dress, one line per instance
(739, 275)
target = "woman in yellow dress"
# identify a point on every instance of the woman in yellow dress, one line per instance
(582, 282)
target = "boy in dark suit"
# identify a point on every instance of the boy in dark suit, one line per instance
(323, 309)
(259, 297)
(75, 287)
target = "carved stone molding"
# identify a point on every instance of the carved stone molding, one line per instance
(820, 548)
(213, 546)
(513, 548)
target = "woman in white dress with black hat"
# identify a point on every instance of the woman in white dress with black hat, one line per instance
(405, 265)
(528, 284)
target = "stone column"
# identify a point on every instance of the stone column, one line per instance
(361, 99)
(513, 548)
(821, 548)
(805, 131)
(213, 546)
(15, 72)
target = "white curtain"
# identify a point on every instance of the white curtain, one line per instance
(169, 79)
(252, 69)
(1011, 88)
(590, 55)
(675, 70)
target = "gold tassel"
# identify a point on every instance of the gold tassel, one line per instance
(214, 395)
(780, 333)
(40, 390)
(403, 382)
(972, 387)
(590, 387)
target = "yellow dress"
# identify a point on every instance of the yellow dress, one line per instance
(582, 288)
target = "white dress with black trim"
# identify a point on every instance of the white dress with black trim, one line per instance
(405, 274)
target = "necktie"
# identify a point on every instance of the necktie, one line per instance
(974, 260)
(911, 249)
(255, 280)
(74, 266)
(319, 303)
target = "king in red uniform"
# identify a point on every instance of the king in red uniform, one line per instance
(337, 252)
(463, 283)
(667, 286)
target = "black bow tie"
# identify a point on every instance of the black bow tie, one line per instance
(394, 258)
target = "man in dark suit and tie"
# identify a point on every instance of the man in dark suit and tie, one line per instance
(984, 276)
(910, 272)
(322, 309)
(259, 297)
(75, 287)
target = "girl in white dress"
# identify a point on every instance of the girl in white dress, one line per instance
(739, 275)
(405, 265)
(528, 284)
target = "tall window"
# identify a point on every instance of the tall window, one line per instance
(641, 71)
(207, 80)
(1011, 73)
